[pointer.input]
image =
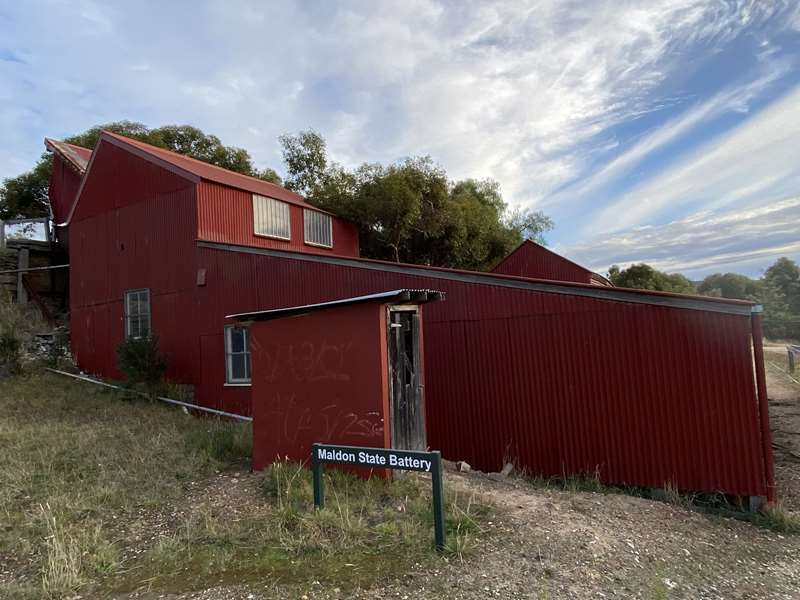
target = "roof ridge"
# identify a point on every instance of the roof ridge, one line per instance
(202, 163)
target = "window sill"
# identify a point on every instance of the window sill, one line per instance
(238, 384)
(319, 245)
(273, 237)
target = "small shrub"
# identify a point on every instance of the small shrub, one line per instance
(142, 362)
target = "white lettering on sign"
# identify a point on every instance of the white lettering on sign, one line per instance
(371, 459)
(337, 455)
(364, 457)
(407, 462)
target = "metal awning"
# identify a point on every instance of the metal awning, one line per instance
(402, 296)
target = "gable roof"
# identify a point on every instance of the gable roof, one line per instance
(191, 169)
(185, 165)
(76, 157)
(530, 250)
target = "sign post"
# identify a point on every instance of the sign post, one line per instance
(383, 458)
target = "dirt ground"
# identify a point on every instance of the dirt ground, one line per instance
(550, 543)
(784, 407)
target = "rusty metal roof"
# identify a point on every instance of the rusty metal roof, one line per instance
(76, 157)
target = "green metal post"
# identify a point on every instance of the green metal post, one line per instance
(438, 499)
(319, 484)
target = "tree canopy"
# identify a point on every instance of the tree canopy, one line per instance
(26, 195)
(778, 291)
(410, 211)
(644, 277)
(780, 296)
(407, 211)
(730, 285)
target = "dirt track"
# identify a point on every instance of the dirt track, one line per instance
(784, 407)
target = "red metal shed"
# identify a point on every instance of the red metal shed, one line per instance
(343, 372)
(564, 377)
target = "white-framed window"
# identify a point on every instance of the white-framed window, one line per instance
(137, 314)
(271, 218)
(318, 228)
(237, 355)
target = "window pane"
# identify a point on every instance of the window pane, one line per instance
(137, 313)
(133, 304)
(133, 327)
(270, 217)
(144, 302)
(237, 340)
(317, 228)
(144, 326)
(238, 367)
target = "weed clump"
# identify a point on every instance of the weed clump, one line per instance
(220, 441)
(778, 519)
(363, 513)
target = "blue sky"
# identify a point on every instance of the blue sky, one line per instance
(665, 132)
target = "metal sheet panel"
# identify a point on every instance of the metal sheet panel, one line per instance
(532, 260)
(64, 183)
(225, 215)
(560, 378)
(639, 394)
(137, 235)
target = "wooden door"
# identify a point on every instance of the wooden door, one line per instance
(406, 393)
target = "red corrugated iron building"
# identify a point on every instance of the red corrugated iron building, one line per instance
(643, 388)
(534, 260)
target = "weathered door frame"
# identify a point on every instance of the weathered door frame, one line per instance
(413, 437)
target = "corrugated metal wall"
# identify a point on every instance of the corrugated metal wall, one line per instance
(225, 215)
(561, 383)
(137, 235)
(533, 260)
(640, 394)
(64, 184)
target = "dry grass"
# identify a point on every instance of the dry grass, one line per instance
(78, 461)
(86, 470)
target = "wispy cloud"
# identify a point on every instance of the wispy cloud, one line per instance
(744, 241)
(740, 166)
(731, 99)
(591, 109)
